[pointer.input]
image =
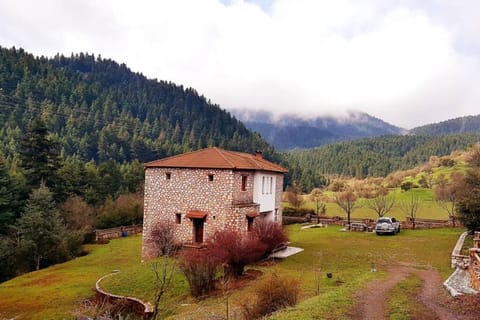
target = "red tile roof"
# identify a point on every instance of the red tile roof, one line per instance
(216, 158)
(195, 214)
(252, 214)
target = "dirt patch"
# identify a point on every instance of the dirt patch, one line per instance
(45, 281)
(433, 300)
(466, 304)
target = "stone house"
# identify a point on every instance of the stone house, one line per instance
(200, 192)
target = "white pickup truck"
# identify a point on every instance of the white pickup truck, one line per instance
(387, 225)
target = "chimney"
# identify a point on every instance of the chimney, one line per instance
(258, 154)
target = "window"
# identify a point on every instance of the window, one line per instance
(263, 185)
(271, 185)
(178, 218)
(244, 183)
(210, 177)
(168, 176)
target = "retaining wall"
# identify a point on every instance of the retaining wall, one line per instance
(112, 233)
(131, 304)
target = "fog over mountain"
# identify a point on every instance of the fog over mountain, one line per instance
(289, 131)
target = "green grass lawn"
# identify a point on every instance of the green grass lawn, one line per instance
(429, 208)
(54, 293)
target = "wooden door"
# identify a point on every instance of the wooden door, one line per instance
(198, 230)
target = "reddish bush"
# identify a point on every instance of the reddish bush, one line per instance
(271, 234)
(271, 295)
(235, 251)
(200, 269)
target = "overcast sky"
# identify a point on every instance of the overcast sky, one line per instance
(406, 62)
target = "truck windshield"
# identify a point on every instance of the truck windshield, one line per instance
(383, 220)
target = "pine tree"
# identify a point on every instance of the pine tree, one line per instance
(39, 156)
(40, 227)
(7, 207)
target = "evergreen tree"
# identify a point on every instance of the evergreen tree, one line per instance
(7, 206)
(39, 156)
(41, 228)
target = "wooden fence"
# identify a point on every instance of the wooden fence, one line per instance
(112, 233)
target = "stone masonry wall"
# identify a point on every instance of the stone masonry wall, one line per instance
(172, 191)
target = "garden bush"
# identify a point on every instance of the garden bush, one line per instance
(235, 251)
(271, 234)
(199, 269)
(272, 294)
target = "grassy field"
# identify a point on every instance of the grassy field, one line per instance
(55, 292)
(429, 208)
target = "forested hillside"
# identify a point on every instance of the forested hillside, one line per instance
(453, 126)
(74, 132)
(98, 109)
(371, 157)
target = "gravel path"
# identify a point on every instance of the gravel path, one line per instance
(371, 301)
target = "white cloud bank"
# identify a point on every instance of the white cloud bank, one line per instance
(405, 63)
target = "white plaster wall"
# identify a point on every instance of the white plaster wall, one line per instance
(264, 196)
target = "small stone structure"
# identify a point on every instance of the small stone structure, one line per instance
(474, 266)
(463, 279)
(133, 305)
(201, 192)
(112, 233)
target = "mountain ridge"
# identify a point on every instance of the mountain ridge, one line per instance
(458, 125)
(290, 131)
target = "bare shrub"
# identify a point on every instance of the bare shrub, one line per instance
(271, 234)
(163, 237)
(200, 269)
(235, 251)
(272, 294)
(164, 273)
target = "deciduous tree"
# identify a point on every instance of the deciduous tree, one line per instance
(317, 196)
(347, 201)
(294, 195)
(381, 204)
(446, 195)
(410, 207)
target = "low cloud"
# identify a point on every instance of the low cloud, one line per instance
(404, 63)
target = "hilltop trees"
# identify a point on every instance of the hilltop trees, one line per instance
(468, 206)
